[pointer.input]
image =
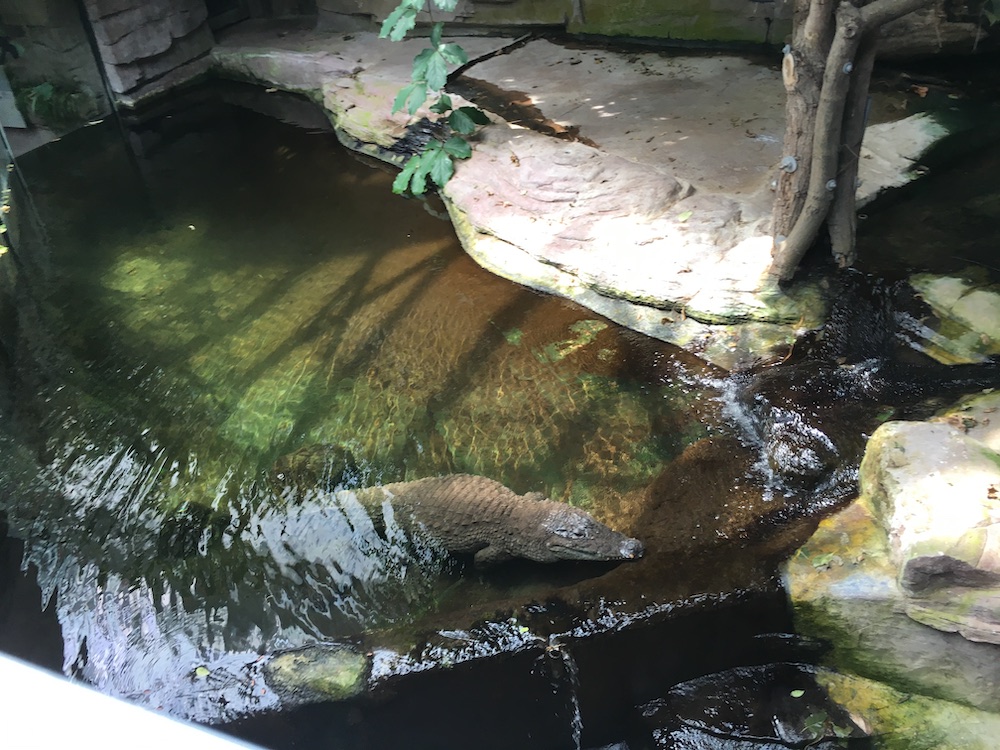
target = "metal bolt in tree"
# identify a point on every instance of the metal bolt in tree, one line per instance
(826, 71)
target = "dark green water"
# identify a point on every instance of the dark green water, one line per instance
(217, 290)
(216, 308)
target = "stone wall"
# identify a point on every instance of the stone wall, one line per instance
(950, 25)
(150, 45)
(717, 20)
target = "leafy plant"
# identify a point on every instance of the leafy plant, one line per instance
(991, 11)
(427, 81)
(54, 104)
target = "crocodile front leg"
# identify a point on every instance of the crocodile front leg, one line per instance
(491, 555)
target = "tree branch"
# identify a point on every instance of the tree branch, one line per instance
(826, 140)
(880, 12)
(843, 219)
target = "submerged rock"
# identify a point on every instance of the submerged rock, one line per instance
(968, 317)
(318, 673)
(770, 706)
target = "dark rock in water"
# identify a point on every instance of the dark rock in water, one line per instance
(750, 708)
(794, 412)
(322, 466)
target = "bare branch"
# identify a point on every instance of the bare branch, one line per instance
(880, 12)
(843, 219)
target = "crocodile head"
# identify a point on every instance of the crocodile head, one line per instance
(571, 534)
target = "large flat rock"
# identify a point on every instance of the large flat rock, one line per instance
(657, 217)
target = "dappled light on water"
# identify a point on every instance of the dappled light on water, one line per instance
(227, 336)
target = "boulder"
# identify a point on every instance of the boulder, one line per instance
(967, 325)
(904, 582)
(905, 721)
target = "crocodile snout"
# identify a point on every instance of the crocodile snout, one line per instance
(631, 549)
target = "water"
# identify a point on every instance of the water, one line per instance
(225, 311)
(218, 314)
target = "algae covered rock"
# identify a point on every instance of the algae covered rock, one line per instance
(904, 721)
(319, 673)
(968, 326)
(903, 582)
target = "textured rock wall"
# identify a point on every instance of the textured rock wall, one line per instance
(951, 25)
(148, 46)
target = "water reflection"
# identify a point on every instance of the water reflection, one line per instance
(233, 303)
(229, 304)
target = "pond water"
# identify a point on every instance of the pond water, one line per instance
(217, 312)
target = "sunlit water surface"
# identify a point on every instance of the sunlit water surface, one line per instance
(227, 311)
(222, 316)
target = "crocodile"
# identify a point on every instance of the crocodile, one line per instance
(467, 514)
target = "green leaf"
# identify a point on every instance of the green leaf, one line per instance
(823, 561)
(685, 216)
(442, 105)
(421, 63)
(457, 147)
(418, 184)
(415, 94)
(400, 21)
(202, 671)
(437, 73)
(815, 724)
(461, 122)
(465, 120)
(797, 693)
(441, 168)
(514, 336)
(402, 181)
(446, 5)
(453, 53)
(436, 34)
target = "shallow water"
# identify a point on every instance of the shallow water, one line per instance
(224, 312)
(224, 303)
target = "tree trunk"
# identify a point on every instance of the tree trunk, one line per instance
(801, 70)
(821, 69)
(843, 221)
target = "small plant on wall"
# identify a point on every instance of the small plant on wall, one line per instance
(430, 74)
(54, 105)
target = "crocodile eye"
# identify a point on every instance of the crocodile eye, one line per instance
(576, 531)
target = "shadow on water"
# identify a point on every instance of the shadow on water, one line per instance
(234, 294)
(241, 318)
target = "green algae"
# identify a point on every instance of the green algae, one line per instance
(318, 674)
(908, 721)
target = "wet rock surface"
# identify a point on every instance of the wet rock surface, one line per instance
(903, 582)
(967, 325)
(661, 225)
(771, 706)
